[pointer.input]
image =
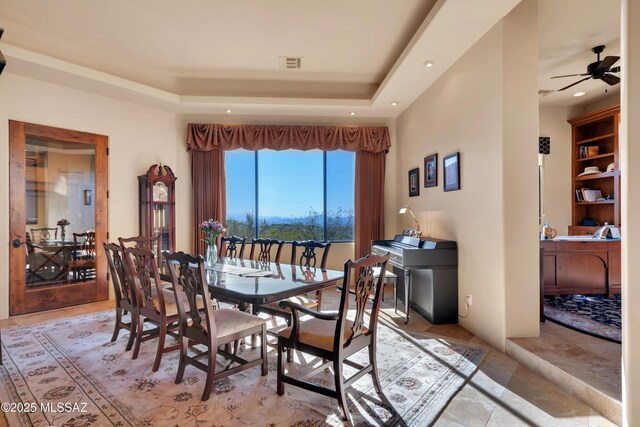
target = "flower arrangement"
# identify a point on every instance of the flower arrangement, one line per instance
(212, 229)
(63, 222)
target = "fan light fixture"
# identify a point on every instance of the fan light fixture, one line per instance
(407, 209)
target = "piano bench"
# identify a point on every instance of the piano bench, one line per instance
(389, 278)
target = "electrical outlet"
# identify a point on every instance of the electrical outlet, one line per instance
(468, 300)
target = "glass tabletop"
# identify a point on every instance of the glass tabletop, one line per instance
(284, 280)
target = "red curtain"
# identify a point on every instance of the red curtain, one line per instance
(369, 203)
(207, 143)
(209, 195)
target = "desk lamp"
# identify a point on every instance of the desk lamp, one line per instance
(408, 209)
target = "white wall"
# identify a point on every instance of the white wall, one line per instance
(557, 167)
(465, 111)
(138, 137)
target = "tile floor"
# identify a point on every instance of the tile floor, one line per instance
(501, 393)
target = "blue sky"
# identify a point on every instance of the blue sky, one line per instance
(290, 182)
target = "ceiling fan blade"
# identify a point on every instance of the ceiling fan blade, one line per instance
(614, 70)
(611, 79)
(569, 75)
(608, 62)
(573, 84)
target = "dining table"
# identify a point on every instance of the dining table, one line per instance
(255, 282)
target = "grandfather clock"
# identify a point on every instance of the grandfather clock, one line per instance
(158, 205)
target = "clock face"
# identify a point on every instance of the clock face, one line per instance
(160, 192)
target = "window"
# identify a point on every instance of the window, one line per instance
(291, 194)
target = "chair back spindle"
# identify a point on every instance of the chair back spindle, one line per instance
(142, 274)
(190, 287)
(229, 246)
(265, 249)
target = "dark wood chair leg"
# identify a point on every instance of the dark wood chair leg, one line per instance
(211, 373)
(338, 378)
(184, 348)
(136, 348)
(280, 383)
(116, 329)
(374, 367)
(263, 344)
(161, 338)
(133, 332)
(319, 299)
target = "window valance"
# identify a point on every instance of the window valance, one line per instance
(206, 137)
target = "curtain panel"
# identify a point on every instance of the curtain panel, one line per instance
(207, 143)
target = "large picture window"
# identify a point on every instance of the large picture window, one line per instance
(290, 194)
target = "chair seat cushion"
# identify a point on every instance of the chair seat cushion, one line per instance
(319, 333)
(389, 277)
(230, 321)
(298, 299)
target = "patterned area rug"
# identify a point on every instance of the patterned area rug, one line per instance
(70, 369)
(595, 315)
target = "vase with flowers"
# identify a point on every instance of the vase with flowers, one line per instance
(62, 224)
(211, 230)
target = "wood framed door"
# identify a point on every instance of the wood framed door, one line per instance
(58, 217)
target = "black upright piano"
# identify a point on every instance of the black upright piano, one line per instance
(428, 270)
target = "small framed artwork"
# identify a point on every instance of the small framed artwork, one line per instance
(87, 197)
(431, 171)
(414, 185)
(451, 167)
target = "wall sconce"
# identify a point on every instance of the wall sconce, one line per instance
(408, 209)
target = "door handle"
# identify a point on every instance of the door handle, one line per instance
(16, 243)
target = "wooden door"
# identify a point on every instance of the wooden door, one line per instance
(58, 189)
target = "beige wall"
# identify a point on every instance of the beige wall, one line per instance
(465, 111)
(630, 159)
(557, 167)
(138, 137)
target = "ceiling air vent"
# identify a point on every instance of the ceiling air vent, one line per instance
(290, 62)
(545, 92)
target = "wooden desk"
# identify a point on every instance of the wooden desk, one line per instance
(286, 281)
(585, 267)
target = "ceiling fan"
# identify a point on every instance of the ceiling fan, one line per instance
(598, 70)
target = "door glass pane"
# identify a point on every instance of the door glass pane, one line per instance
(60, 213)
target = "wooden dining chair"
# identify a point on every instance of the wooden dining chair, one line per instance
(83, 263)
(334, 338)
(201, 324)
(262, 250)
(43, 234)
(153, 303)
(309, 258)
(229, 246)
(125, 296)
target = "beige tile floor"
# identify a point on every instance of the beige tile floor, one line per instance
(501, 393)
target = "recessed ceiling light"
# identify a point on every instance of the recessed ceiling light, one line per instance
(579, 94)
(394, 103)
(353, 113)
(429, 63)
(228, 110)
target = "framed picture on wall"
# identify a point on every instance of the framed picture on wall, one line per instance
(431, 171)
(451, 168)
(414, 182)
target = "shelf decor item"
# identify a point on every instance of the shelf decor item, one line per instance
(211, 230)
(451, 167)
(431, 171)
(157, 205)
(62, 224)
(414, 184)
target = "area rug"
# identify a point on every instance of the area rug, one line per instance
(595, 315)
(71, 370)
